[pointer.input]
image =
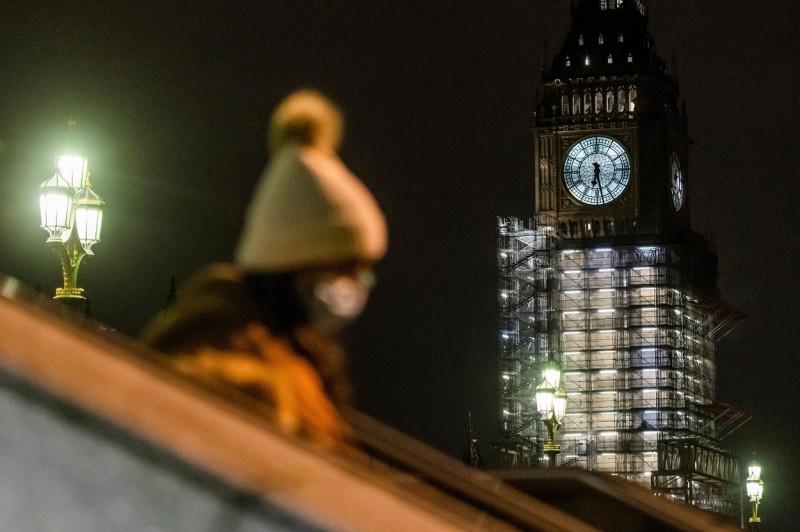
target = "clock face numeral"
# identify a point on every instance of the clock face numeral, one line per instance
(597, 170)
(677, 183)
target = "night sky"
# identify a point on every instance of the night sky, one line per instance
(172, 103)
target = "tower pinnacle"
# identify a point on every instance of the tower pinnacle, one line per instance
(584, 6)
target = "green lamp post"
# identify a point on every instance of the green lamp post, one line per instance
(72, 214)
(551, 403)
(755, 489)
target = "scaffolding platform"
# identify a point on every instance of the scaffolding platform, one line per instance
(634, 328)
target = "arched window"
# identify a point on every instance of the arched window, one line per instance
(630, 58)
(620, 37)
(610, 59)
(567, 61)
(600, 39)
(580, 40)
(632, 99)
(622, 100)
(586, 62)
(598, 101)
(576, 104)
(609, 101)
(587, 102)
(564, 104)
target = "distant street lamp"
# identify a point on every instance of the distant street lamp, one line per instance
(72, 215)
(551, 402)
(755, 489)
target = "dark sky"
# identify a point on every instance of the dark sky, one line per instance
(172, 103)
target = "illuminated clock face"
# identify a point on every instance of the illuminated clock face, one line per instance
(597, 170)
(677, 183)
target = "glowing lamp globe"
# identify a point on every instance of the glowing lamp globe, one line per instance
(545, 397)
(73, 168)
(551, 373)
(55, 206)
(755, 489)
(88, 217)
(754, 471)
(559, 404)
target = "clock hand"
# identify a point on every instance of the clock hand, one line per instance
(596, 180)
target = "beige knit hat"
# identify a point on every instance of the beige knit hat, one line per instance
(309, 210)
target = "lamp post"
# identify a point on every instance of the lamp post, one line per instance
(551, 402)
(755, 490)
(72, 215)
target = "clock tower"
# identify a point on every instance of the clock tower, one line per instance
(611, 141)
(608, 282)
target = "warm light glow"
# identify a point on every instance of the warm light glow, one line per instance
(73, 169)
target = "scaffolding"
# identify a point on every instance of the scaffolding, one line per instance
(697, 474)
(637, 350)
(525, 304)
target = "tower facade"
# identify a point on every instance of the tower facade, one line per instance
(609, 280)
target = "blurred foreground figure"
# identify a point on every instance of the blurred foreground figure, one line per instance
(267, 324)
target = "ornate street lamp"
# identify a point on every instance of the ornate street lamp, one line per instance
(72, 215)
(551, 402)
(755, 489)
